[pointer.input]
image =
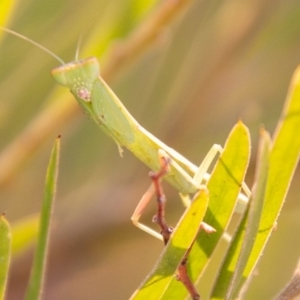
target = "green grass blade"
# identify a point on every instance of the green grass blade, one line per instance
(39, 263)
(228, 280)
(224, 186)
(5, 245)
(183, 236)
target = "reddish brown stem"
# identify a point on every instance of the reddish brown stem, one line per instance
(183, 276)
(159, 218)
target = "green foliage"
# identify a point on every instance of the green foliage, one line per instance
(282, 162)
(223, 186)
(201, 59)
(237, 257)
(274, 172)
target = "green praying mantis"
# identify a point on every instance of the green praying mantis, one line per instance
(102, 106)
(82, 78)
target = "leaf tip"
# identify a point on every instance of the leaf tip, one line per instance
(240, 125)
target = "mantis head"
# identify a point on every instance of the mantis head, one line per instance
(78, 76)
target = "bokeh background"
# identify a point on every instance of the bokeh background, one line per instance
(215, 63)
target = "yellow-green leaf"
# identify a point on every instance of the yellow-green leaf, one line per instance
(283, 162)
(230, 274)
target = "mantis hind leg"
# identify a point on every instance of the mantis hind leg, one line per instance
(139, 211)
(201, 176)
(156, 188)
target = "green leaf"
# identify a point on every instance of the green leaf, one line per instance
(224, 187)
(229, 277)
(5, 243)
(39, 263)
(283, 162)
(182, 238)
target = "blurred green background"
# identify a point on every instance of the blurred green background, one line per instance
(218, 62)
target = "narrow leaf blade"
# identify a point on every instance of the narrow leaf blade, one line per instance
(283, 162)
(39, 263)
(229, 277)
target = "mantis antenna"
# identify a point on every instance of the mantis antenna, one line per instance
(34, 43)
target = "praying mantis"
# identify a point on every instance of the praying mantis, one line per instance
(82, 78)
(107, 111)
